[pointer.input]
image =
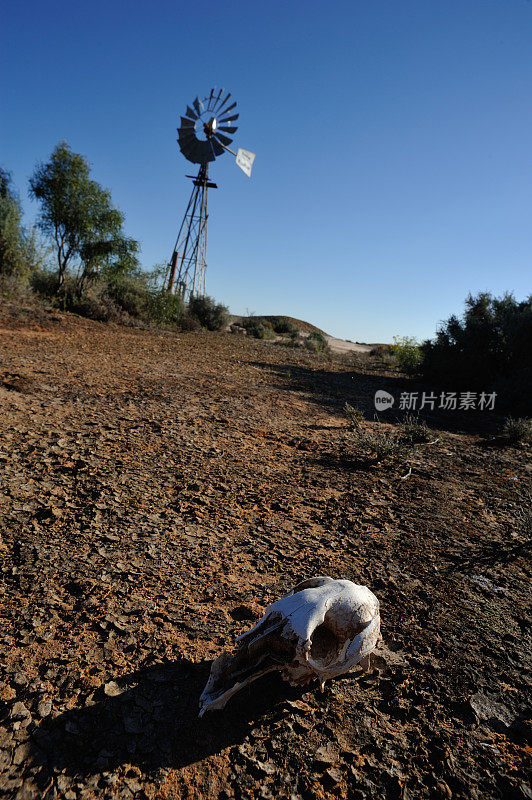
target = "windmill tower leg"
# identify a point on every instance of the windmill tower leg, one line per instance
(189, 258)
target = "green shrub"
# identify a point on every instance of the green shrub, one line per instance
(517, 430)
(131, 295)
(164, 308)
(94, 303)
(316, 342)
(44, 283)
(189, 324)
(14, 286)
(487, 349)
(284, 326)
(258, 327)
(408, 354)
(210, 315)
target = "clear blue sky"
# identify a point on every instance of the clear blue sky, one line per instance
(393, 141)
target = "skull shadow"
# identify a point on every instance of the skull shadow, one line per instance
(153, 723)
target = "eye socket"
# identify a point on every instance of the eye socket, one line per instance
(324, 645)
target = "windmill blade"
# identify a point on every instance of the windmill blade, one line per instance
(217, 148)
(223, 139)
(187, 123)
(189, 151)
(210, 99)
(187, 143)
(186, 133)
(228, 129)
(186, 136)
(222, 110)
(224, 101)
(230, 119)
(196, 105)
(216, 99)
(205, 152)
(191, 113)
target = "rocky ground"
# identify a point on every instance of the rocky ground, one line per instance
(159, 490)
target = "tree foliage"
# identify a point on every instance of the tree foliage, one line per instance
(488, 347)
(11, 231)
(80, 217)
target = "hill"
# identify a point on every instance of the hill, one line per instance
(301, 325)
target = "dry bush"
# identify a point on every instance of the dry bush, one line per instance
(415, 430)
(354, 415)
(517, 429)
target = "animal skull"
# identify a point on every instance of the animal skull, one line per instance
(322, 629)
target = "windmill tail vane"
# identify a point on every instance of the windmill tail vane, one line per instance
(203, 136)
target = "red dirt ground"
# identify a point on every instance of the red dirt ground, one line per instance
(160, 489)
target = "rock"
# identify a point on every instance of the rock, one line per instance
(525, 791)
(443, 790)
(325, 756)
(19, 711)
(63, 782)
(112, 689)
(489, 711)
(488, 585)
(331, 777)
(265, 767)
(382, 657)
(21, 753)
(44, 708)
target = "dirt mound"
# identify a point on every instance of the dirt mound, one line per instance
(300, 324)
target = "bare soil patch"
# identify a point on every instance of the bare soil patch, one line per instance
(159, 490)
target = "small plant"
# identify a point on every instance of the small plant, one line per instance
(316, 342)
(284, 326)
(210, 315)
(378, 443)
(415, 430)
(408, 354)
(354, 415)
(164, 308)
(258, 327)
(189, 324)
(517, 429)
(44, 283)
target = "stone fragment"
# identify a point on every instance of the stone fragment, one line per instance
(44, 708)
(488, 710)
(112, 689)
(19, 711)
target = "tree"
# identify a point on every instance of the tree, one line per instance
(11, 233)
(78, 213)
(487, 348)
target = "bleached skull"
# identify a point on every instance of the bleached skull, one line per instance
(322, 629)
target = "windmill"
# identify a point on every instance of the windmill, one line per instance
(202, 137)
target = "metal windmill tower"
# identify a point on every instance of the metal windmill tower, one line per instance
(201, 141)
